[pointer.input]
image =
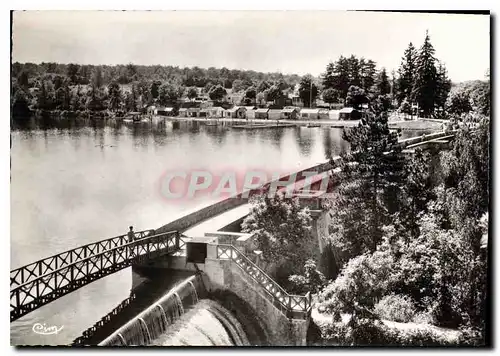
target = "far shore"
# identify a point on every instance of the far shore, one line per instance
(395, 121)
(418, 124)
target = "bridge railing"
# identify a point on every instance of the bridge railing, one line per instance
(295, 306)
(56, 283)
(41, 267)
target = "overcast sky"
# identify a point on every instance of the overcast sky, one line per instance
(287, 41)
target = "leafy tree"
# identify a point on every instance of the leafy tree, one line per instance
(459, 103)
(251, 93)
(237, 86)
(273, 93)
(263, 85)
(282, 230)
(207, 87)
(328, 78)
(23, 79)
(59, 98)
(217, 93)
(115, 96)
(77, 101)
(330, 96)
(95, 100)
(97, 80)
(363, 281)
(72, 73)
(342, 78)
(155, 89)
(85, 72)
(425, 86)
(168, 93)
(308, 91)
(192, 93)
(131, 72)
(356, 97)
(46, 96)
(480, 94)
(406, 74)
(20, 103)
(58, 81)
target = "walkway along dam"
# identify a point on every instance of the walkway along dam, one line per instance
(223, 297)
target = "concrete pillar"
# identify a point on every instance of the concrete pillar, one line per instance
(299, 332)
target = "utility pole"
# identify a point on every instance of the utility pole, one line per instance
(310, 95)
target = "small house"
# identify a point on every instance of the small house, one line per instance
(324, 114)
(262, 113)
(236, 112)
(250, 112)
(274, 114)
(183, 112)
(289, 114)
(349, 114)
(193, 112)
(215, 111)
(333, 114)
(164, 111)
(309, 114)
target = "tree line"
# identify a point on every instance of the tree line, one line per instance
(420, 82)
(73, 87)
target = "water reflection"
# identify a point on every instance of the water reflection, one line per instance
(304, 138)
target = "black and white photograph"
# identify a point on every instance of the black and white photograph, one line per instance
(257, 178)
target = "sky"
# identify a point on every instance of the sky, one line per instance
(286, 41)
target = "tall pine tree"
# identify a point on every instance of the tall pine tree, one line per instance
(383, 87)
(368, 73)
(425, 87)
(369, 190)
(354, 71)
(406, 74)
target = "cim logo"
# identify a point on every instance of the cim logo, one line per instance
(43, 329)
(196, 183)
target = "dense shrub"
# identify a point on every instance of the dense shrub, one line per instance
(472, 337)
(395, 307)
(367, 332)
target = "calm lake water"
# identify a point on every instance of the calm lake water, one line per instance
(78, 181)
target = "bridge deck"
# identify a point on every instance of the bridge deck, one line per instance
(218, 222)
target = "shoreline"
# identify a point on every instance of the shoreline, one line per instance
(420, 124)
(404, 125)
